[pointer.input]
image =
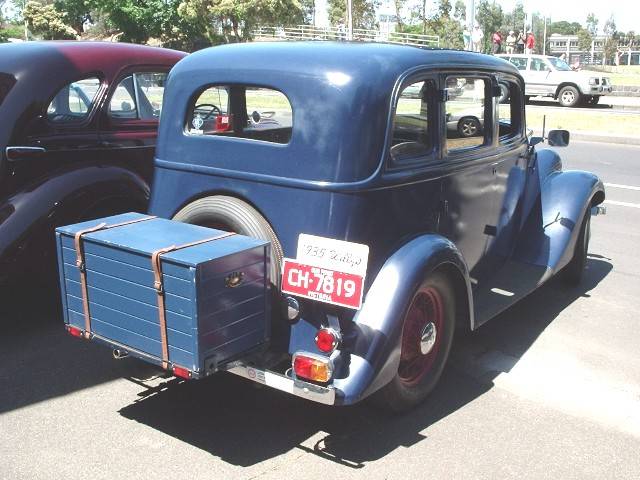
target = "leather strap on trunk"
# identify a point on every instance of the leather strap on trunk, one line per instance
(79, 245)
(156, 265)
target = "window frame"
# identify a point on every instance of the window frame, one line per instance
(95, 106)
(239, 101)
(518, 136)
(432, 156)
(132, 72)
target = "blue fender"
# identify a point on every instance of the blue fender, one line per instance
(556, 204)
(376, 353)
(28, 217)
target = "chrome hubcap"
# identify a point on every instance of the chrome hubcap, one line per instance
(428, 338)
(568, 97)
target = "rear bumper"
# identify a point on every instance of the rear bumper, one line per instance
(299, 388)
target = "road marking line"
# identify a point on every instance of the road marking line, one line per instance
(623, 204)
(618, 185)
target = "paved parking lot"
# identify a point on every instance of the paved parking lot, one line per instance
(549, 389)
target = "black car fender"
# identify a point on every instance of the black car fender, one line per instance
(376, 355)
(29, 217)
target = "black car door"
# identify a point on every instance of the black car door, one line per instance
(63, 133)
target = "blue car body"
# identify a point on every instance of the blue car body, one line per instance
(497, 218)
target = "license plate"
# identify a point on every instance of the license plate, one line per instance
(322, 284)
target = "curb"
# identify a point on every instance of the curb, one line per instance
(604, 138)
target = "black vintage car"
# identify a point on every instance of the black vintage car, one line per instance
(77, 135)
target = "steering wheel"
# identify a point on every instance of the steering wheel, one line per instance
(213, 109)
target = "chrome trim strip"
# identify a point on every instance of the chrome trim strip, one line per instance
(299, 388)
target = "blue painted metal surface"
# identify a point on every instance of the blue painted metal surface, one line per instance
(208, 322)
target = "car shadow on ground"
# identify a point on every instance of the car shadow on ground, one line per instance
(40, 361)
(244, 424)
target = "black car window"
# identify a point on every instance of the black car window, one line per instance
(510, 121)
(74, 101)
(138, 96)
(242, 111)
(7, 82)
(465, 112)
(412, 135)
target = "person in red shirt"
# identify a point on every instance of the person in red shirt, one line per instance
(529, 43)
(496, 42)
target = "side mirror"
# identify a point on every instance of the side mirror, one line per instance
(558, 138)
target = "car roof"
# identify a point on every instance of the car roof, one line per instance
(49, 57)
(340, 94)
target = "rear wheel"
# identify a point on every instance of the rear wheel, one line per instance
(569, 96)
(574, 270)
(427, 333)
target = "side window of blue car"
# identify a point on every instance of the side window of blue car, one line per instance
(241, 111)
(468, 102)
(412, 129)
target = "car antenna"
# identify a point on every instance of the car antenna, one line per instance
(544, 125)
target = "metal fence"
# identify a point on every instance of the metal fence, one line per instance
(308, 32)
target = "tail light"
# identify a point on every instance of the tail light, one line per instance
(75, 331)
(181, 372)
(312, 367)
(327, 339)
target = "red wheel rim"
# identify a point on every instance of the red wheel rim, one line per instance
(423, 329)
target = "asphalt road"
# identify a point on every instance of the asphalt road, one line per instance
(608, 104)
(549, 389)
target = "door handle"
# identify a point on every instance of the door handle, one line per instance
(15, 154)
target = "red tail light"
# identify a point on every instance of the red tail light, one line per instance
(75, 331)
(311, 367)
(327, 340)
(181, 372)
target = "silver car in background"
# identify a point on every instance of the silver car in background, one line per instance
(548, 76)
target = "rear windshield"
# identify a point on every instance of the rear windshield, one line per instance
(6, 83)
(242, 111)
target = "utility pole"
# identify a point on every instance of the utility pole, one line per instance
(26, 30)
(544, 39)
(349, 20)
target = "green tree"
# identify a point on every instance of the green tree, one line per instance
(564, 28)
(236, 18)
(364, 14)
(77, 12)
(592, 24)
(584, 40)
(460, 11)
(490, 17)
(448, 29)
(48, 22)
(611, 39)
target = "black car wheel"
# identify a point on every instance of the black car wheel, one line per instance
(569, 96)
(574, 270)
(468, 127)
(427, 334)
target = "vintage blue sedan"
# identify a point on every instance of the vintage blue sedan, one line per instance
(388, 229)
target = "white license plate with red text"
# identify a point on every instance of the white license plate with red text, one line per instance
(327, 270)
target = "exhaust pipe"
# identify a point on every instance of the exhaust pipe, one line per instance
(119, 354)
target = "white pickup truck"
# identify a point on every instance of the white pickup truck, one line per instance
(551, 77)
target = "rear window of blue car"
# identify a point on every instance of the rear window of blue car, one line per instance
(7, 82)
(241, 111)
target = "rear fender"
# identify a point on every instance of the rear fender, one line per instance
(28, 217)
(376, 353)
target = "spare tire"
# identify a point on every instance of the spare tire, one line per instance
(234, 215)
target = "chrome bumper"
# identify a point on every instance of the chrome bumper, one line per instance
(310, 391)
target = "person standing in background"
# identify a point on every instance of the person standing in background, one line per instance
(466, 36)
(496, 42)
(529, 43)
(520, 43)
(511, 42)
(476, 38)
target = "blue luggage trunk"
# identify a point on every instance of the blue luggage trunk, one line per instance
(206, 304)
